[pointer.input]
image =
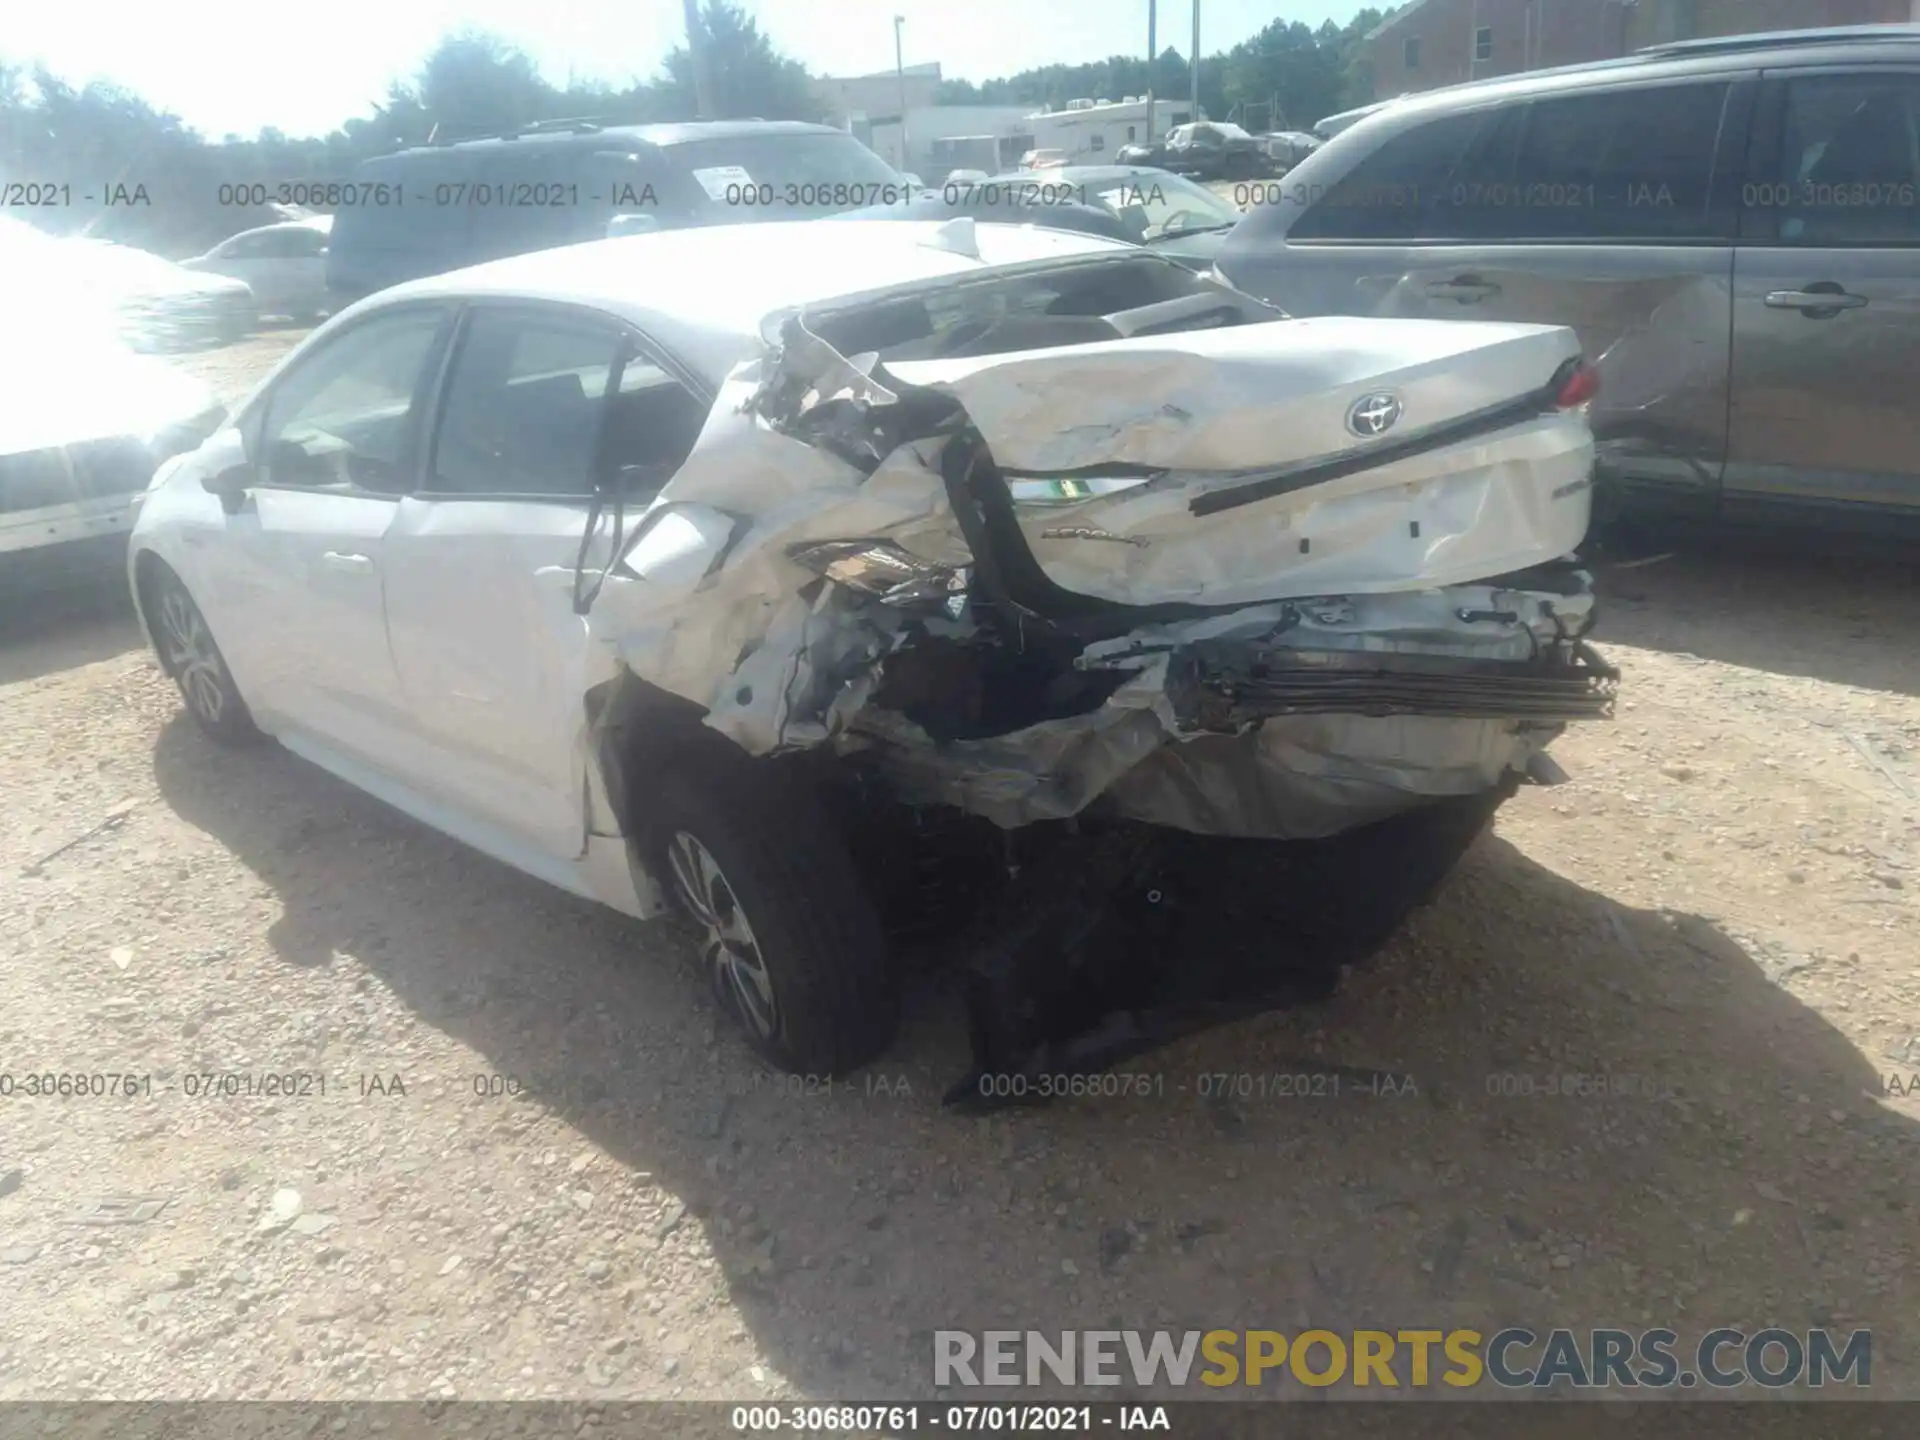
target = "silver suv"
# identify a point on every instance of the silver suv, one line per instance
(1732, 226)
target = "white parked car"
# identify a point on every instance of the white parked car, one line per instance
(640, 564)
(159, 305)
(85, 424)
(152, 303)
(284, 265)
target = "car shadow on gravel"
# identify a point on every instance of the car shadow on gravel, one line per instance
(1848, 619)
(86, 618)
(1402, 1155)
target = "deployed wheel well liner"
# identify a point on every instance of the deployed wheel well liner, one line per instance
(634, 729)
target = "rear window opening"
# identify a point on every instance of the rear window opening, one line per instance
(784, 176)
(1070, 305)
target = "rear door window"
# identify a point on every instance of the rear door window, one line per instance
(418, 205)
(547, 403)
(523, 405)
(301, 244)
(257, 246)
(1604, 165)
(1387, 196)
(1847, 171)
(786, 175)
(530, 199)
(616, 182)
(1633, 164)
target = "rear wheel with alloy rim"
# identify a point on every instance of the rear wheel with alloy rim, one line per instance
(790, 941)
(729, 948)
(188, 653)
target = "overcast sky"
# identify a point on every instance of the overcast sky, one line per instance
(236, 65)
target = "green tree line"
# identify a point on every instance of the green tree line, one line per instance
(156, 182)
(1302, 73)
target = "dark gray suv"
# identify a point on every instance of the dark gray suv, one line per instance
(1732, 226)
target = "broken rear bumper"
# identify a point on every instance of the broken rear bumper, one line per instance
(1295, 720)
(1224, 686)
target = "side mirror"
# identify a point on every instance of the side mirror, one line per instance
(914, 180)
(632, 224)
(231, 485)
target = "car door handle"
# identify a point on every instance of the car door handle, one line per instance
(346, 560)
(1467, 289)
(1815, 304)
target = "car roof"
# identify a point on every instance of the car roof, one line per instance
(603, 137)
(322, 223)
(1089, 174)
(1682, 59)
(704, 291)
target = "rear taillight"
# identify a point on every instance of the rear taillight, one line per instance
(1576, 385)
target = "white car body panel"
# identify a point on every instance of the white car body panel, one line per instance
(184, 527)
(452, 680)
(69, 383)
(1212, 406)
(63, 390)
(48, 526)
(480, 618)
(308, 564)
(283, 284)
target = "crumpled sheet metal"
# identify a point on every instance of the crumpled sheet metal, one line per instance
(1303, 777)
(1295, 777)
(781, 660)
(1231, 398)
(735, 631)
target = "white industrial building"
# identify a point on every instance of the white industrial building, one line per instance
(944, 138)
(938, 139)
(1090, 131)
(935, 139)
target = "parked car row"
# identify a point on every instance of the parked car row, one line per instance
(71, 474)
(86, 422)
(438, 207)
(1221, 150)
(283, 265)
(153, 304)
(1167, 213)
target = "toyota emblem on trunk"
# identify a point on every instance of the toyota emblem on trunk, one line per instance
(1373, 415)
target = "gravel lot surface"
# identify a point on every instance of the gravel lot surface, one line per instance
(1720, 916)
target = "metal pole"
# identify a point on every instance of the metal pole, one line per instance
(1153, 21)
(697, 55)
(900, 73)
(1195, 66)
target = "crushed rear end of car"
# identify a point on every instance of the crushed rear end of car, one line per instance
(1233, 630)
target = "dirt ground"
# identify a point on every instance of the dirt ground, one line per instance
(1718, 916)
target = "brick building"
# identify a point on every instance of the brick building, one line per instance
(1429, 43)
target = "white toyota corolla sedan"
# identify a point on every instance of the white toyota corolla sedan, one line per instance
(643, 565)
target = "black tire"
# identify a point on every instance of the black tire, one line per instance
(813, 946)
(189, 655)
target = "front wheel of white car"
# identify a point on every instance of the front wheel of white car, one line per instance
(790, 942)
(188, 654)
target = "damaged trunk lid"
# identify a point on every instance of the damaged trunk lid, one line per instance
(1260, 461)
